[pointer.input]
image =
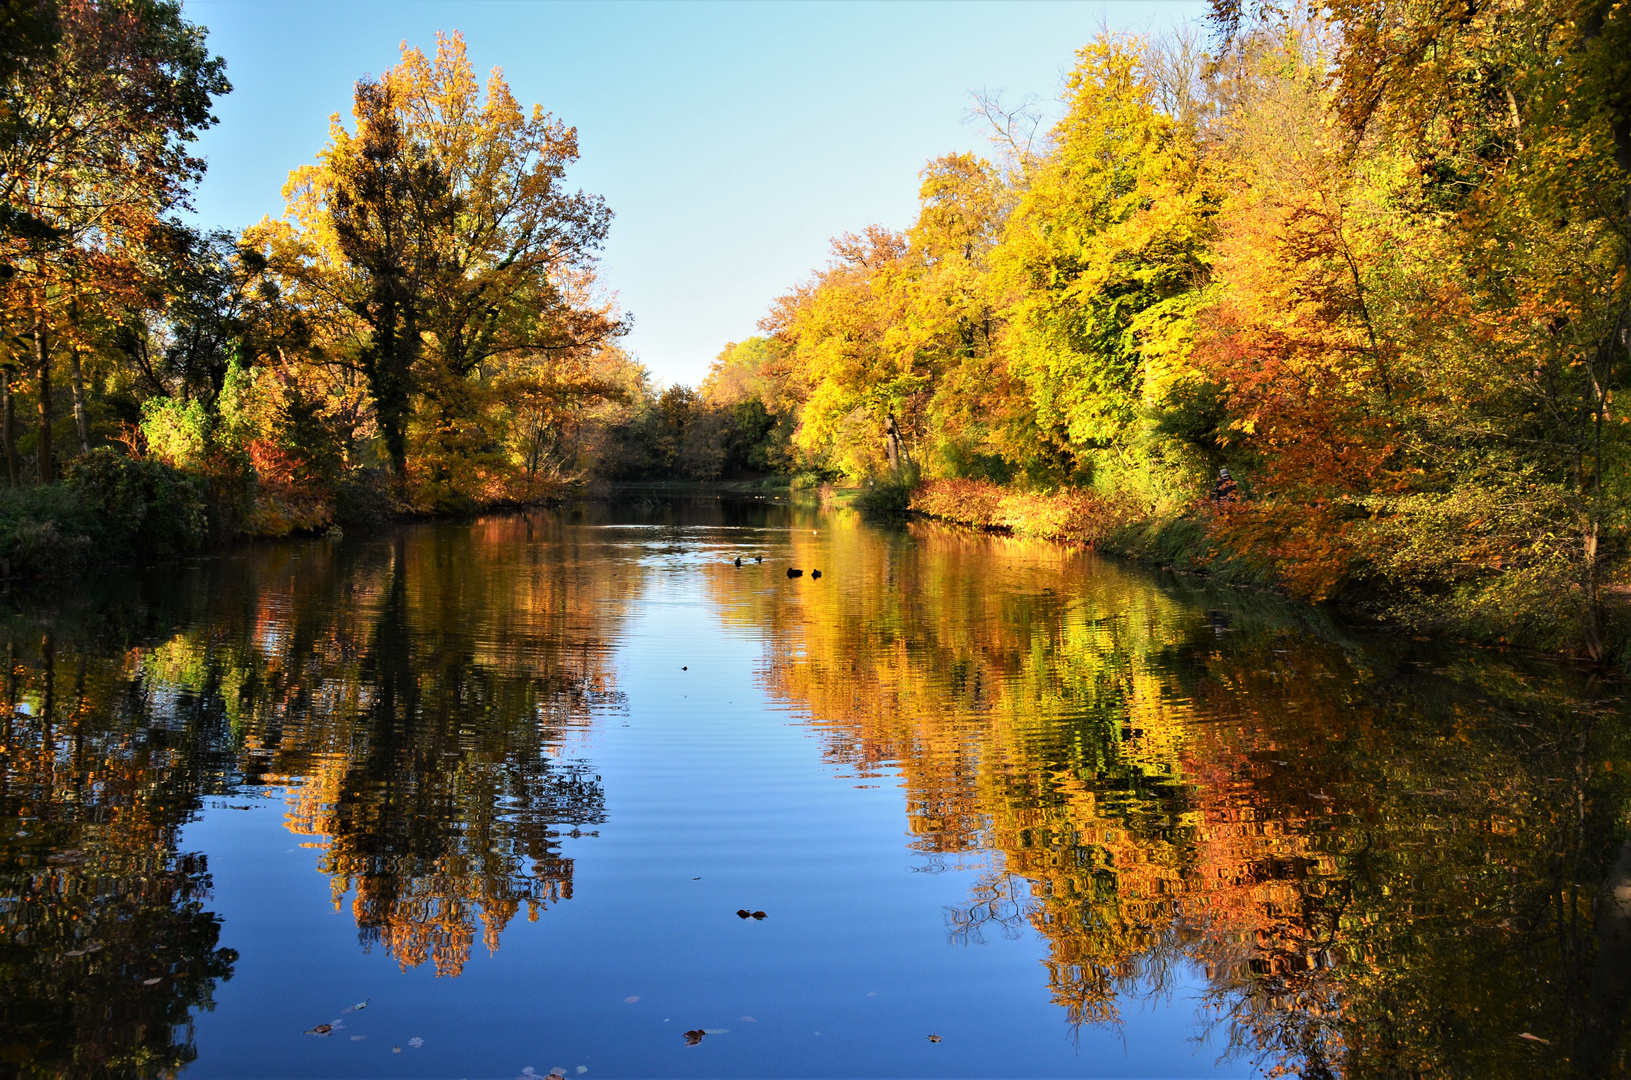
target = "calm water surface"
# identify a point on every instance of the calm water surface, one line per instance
(509, 783)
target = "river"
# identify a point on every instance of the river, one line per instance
(572, 790)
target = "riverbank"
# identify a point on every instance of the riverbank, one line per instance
(1176, 542)
(113, 510)
(1536, 606)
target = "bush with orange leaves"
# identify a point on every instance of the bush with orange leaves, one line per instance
(1081, 517)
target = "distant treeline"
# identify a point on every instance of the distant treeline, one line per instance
(1374, 262)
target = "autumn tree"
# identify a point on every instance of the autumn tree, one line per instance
(1102, 259)
(853, 380)
(388, 205)
(450, 256)
(94, 155)
(1421, 307)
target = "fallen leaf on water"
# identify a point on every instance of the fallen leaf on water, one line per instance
(358, 1007)
(151, 982)
(743, 913)
(416, 1042)
(75, 952)
(934, 1038)
(696, 879)
(631, 999)
(758, 914)
(321, 1029)
(396, 1049)
(1535, 1038)
(240, 807)
(692, 1038)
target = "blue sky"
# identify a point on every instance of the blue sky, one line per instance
(732, 140)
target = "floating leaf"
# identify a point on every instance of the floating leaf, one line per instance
(152, 982)
(758, 914)
(934, 1038)
(743, 913)
(321, 1029)
(1535, 1038)
(692, 1038)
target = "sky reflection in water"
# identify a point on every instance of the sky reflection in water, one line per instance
(510, 782)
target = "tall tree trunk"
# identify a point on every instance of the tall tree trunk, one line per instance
(8, 424)
(76, 381)
(894, 447)
(42, 366)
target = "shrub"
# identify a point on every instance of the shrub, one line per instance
(42, 530)
(142, 507)
(888, 493)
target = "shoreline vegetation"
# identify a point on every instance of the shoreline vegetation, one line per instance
(1375, 263)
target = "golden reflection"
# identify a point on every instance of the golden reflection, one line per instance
(1374, 857)
(413, 698)
(415, 706)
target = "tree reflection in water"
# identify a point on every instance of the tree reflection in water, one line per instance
(105, 945)
(413, 697)
(421, 747)
(1386, 858)
(1379, 857)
